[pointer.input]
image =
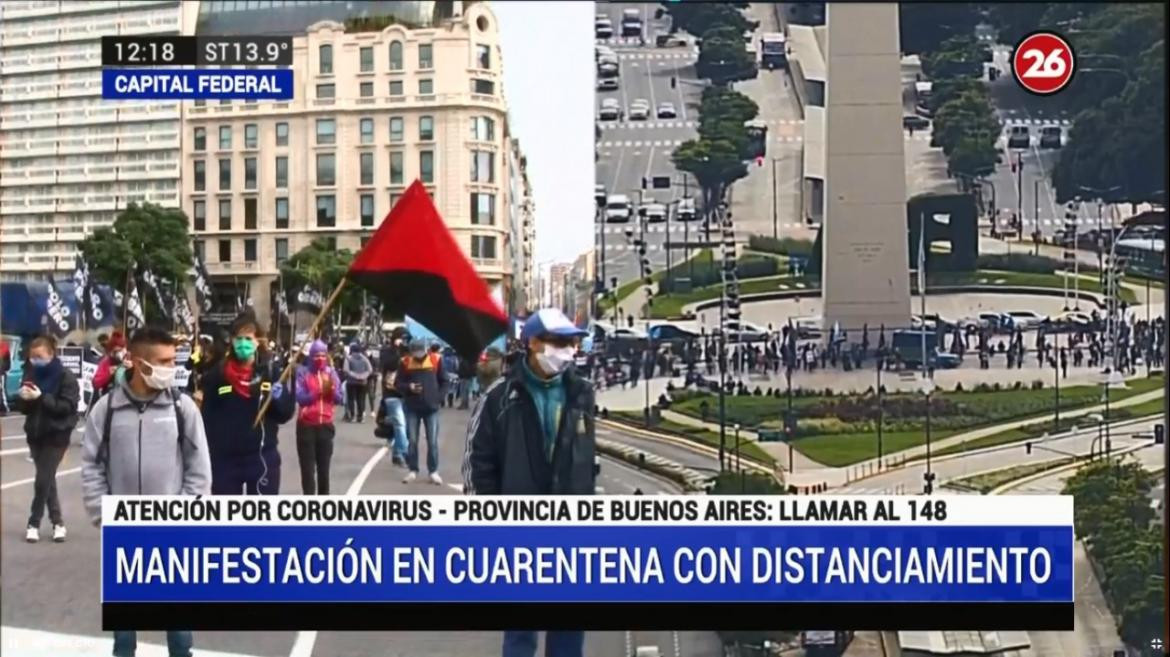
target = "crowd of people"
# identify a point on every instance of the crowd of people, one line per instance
(529, 431)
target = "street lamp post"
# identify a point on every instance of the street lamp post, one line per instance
(775, 203)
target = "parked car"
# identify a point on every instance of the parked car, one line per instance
(671, 334)
(603, 28)
(1026, 319)
(607, 84)
(915, 122)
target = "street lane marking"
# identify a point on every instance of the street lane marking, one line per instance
(10, 452)
(20, 642)
(21, 482)
(303, 645)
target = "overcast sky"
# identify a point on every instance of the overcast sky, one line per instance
(548, 82)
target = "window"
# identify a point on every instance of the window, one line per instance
(366, 89)
(249, 214)
(225, 250)
(425, 56)
(426, 87)
(199, 215)
(426, 128)
(282, 171)
(367, 206)
(326, 169)
(251, 133)
(249, 173)
(200, 139)
(225, 174)
(200, 103)
(281, 247)
(486, 87)
(282, 212)
(325, 60)
(225, 214)
(250, 250)
(426, 166)
(394, 198)
(483, 246)
(225, 137)
(200, 250)
(483, 56)
(200, 175)
(366, 160)
(395, 55)
(396, 87)
(366, 127)
(483, 166)
(396, 168)
(483, 209)
(326, 211)
(365, 239)
(282, 134)
(366, 59)
(396, 124)
(326, 131)
(325, 91)
(483, 128)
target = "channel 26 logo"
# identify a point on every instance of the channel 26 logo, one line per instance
(1043, 63)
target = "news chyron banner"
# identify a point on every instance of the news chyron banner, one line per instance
(604, 562)
(151, 68)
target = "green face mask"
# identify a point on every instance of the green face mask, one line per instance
(244, 348)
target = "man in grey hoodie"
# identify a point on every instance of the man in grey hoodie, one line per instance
(145, 438)
(357, 370)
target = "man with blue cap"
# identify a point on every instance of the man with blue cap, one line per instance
(533, 434)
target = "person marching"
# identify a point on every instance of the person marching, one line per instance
(420, 382)
(533, 434)
(244, 460)
(318, 390)
(111, 369)
(48, 398)
(357, 369)
(119, 458)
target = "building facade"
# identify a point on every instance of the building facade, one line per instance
(559, 285)
(70, 161)
(522, 233)
(377, 105)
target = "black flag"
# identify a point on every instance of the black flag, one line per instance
(309, 299)
(155, 288)
(135, 318)
(81, 290)
(204, 295)
(60, 317)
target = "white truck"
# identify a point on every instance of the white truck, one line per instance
(648, 651)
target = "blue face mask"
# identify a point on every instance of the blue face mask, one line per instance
(40, 362)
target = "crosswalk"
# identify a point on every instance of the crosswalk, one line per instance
(647, 125)
(1033, 121)
(688, 55)
(621, 41)
(669, 143)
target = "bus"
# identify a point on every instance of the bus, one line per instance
(757, 132)
(1143, 256)
(774, 51)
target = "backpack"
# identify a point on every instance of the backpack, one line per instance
(104, 448)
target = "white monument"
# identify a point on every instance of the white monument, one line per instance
(865, 277)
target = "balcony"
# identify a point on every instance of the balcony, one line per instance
(232, 267)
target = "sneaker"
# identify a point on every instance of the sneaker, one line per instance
(398, 460)
(436, 479)
(32, 535)
(58, 533)
(410, 476)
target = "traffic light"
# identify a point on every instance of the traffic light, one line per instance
(1159, 434)
(644, 183)
(1028, 447)
(928, 483)
(673, 82)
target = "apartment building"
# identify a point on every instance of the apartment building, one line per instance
(410, 93)
(522, 237)
(70, 161)
(559, 285)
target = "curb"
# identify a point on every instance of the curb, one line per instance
(683, 443)
(685, 477)
(1075, 465)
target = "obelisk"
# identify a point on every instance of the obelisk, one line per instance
(865, 277)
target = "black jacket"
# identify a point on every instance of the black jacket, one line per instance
(506, 455)
(50, 419)
(228, 417)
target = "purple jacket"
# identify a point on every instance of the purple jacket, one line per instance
(315, 409)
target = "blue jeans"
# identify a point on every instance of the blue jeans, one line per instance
(394, 417)
(522, 643)
(431, 422)
(178, 643)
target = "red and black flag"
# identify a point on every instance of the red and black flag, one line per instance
(413, 264)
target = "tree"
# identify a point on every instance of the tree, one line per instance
(973, 157)
(723, 60)
(923, 27)
(715, 164)
(967, 115)
(698, 17)
(145, 234)
(322, 266)
(959, 56)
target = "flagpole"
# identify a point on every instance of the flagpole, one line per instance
(126, 301)
(295, 359)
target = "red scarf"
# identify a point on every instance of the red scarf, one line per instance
(239, 375)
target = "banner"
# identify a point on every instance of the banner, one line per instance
(604, 562)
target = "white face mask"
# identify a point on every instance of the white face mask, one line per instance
(160, 377)
(555, 360)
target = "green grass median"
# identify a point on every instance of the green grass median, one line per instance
(748, 448)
